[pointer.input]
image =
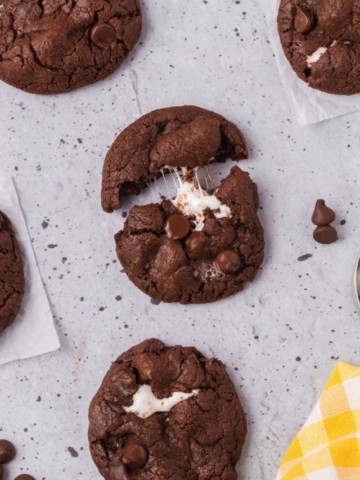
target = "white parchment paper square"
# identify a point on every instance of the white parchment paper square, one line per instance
(311, 106)
(33, 332)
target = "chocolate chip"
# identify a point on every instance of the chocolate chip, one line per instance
(325, 234)
(134, 456)
(322, 215)
(102, 35)
(228, 262)
(196, 246)
(177, 227)
(24, 476)
(7, 451)
(304, 20)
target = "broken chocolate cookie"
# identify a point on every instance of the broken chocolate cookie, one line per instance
(321, 40)
(166, 413)
(11, 274)
(204, 243)
(56, 46)
(213, 258)
(171, 137)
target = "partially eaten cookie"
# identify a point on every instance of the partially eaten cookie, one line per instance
(205, 242)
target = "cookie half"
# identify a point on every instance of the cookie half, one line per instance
(166, 413)
(11, 274)
(198, 246)
(177, 137)
(321, 40)
(55, 46)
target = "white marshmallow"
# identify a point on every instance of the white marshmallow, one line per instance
(193, 201)
(315, 57)
(145, 404)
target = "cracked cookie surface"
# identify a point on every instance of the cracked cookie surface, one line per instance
(54, 46)
(221, 250)
(321, 40)
(11, 274)
(185, 136)
(200, 435)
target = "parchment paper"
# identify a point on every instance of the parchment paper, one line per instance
(33, 332)
(310, 106)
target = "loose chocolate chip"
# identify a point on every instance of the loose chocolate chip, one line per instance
(325, 234)
(24, 476)
(102, 35)
(7, 451)
(304, 20)
(177, 227)
(134, 456)
(228, 262)
(322, 215)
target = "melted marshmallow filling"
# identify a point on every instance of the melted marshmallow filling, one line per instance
(193, 201)
(145, 404)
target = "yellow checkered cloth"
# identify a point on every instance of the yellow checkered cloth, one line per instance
(328, 446)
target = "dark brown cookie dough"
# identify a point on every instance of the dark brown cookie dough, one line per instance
(176, 136)
(199, 438)
(11, 274)
(321, 39)
(55, 46)
(199, 264)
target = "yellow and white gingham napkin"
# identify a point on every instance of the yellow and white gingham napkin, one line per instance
(328, 446)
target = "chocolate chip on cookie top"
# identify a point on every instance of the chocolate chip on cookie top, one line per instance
(55, 46)
(11, 274)
(166, 412)
(322, 43)
(171, 137)
(177, 227)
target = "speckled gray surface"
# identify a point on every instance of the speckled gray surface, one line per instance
(280, 338)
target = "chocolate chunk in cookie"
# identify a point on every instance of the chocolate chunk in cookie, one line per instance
(166, 413)
(171, 137)
(55, 46)
(321, 40)
(222, 250)
(11, 274)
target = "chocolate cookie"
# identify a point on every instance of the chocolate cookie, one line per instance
(11, 274)
(197, 247)
(55, 46)
(166, 413)
(177, 137)
(321, 40)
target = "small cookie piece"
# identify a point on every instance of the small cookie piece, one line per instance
(11, 274)
(214, 259)
(166, 413)
(177, 137)
(55, 46)
(321, 40)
